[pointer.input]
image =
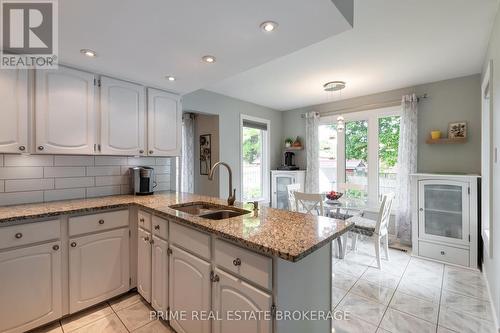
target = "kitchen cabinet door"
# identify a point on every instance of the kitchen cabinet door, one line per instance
(231, 295)
(144, 264)
(65, 112)
(164, 123)
(14, 115)
(189, 287)
(30, 287)
(123, 118)
(98, 268)
(159, 263)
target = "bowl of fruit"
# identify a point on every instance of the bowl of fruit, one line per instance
(333, 195)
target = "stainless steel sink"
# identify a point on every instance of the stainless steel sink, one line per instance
(209, 211)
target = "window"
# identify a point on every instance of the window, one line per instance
(362, 160)
(254, 159)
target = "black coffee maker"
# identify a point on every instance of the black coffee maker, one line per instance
(289, 162)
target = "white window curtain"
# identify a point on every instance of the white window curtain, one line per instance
(187, 162)
(407, 161)
(312, 152)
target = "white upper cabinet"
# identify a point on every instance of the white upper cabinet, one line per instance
(164, 123)
(65, 111)
(123, 117)
(14, 111)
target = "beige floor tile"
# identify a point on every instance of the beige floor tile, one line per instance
(52, 328)
(135, 316)
(85, 317)
(156, 326)
(108, 324)
(125, 301)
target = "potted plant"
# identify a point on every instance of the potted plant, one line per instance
(288, 142)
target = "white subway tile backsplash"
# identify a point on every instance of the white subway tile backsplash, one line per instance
(74, 182)
(21, 172)
(143, 161)
(73, 160)
(2, 185)
(103, 191)
(17, 198)
(111, 180)
(104, 171)
(163, 161)
(21, 185)
(125, 189)
(66, 194)
(1, 160)
(110, 160)
(28, 160)
(163, 186)
(163, 178)
(59, 172)
(162, 169)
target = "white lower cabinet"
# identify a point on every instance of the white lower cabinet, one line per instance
(30, 287)
(144, 264)
(159, 275)
(189, 286)
(232, 299)
(98, 268)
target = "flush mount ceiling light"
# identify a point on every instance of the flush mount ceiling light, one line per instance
(88, 53)
(171, 78)
(269, 26)
(334, 86)
(208, 59)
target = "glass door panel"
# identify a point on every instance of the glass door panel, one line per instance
(356, 159)
(282, 192)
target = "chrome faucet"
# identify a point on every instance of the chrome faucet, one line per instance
(232, 192)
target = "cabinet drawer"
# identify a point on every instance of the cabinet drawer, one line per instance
(195, 241)
(160, 227)
(28, 233)
(144, 220)
(249, 265)
(450, 254)
(97, 222)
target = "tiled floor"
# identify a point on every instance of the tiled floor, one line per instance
(408, 295)
(128, 313)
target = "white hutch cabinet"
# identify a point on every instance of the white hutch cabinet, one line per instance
(279, 180)
(445, 218)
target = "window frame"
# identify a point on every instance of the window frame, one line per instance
(372, 116)
(266, 165)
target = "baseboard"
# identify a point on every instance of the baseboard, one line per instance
(495, 318)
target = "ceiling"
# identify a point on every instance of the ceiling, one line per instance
(394, 44)
(144, 41)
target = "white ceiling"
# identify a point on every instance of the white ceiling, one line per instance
(144, 41)
(394, 44)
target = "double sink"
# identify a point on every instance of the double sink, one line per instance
(209, 210)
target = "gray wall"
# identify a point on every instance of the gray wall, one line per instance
(451, 100)
(229, 110)
(206, 124)
(492, 265)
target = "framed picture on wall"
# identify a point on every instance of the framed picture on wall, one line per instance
(205, 153)
(457, 130)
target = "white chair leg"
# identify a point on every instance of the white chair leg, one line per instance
(376, 239)
(354, 241)
(386, 246)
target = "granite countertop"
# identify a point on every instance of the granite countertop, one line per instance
(288, 235)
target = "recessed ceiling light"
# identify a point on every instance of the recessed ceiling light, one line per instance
(334, 85)
(269, 26)
(208, 59)
(171, 78)
(88, 52)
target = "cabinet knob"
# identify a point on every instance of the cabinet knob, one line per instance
(41, 148)
(146, 239)
(22, 148)
(55, 247)
(141, 151)
(73, 244)
(101, 221)
(214, 277)
(157, 227)
(443, 253)
(421, 209)
(142, 220)
(152, 241)
(237, 262)
(151, 152)
(18, 235)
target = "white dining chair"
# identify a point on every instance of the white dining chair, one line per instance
(291, 189)
(376, 229)
(309, 203)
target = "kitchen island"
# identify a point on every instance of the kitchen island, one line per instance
(267, 260)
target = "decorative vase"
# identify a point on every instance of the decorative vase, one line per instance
(435, 135)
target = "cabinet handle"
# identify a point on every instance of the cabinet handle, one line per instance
(169, 251)
(152, 241)
(237, 262)
(22, 148)
(101, 221)
(157, 227)
(55, 247)
(73, 244)
(41, 148)
(18, 235)
(214, 277)
(146, 239)
(141, 151)
(151, 152)
(142, 220)
(443, 253)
